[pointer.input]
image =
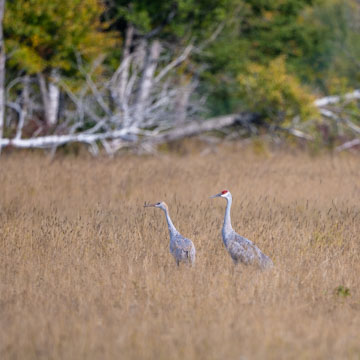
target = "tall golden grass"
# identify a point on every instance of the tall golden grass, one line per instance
(86, 273)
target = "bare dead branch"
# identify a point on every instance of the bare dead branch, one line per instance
(348, 145)
(182, 57)
(328, 100)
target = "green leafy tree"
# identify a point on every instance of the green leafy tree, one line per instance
(331, 63)
(258, 32)
(169, 19)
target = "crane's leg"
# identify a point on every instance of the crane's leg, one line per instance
(177, 262)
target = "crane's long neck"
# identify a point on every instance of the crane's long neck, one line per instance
(227, 219)
(171, 227)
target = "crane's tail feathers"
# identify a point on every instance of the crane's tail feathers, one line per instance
(265, 262)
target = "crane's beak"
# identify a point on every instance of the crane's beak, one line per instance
(215, 196)
(148, 205)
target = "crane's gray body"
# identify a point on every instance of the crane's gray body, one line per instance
(241, 250)
(244, 251)
(181, 248)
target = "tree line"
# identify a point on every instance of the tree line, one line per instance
(120, 73)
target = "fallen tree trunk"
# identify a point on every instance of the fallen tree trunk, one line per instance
(51, 141)
(129, 135)
(328, 100)
(348, 145)
(195, 128)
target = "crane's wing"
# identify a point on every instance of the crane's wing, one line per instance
(183, 243)
(182, 248)
(243, 250)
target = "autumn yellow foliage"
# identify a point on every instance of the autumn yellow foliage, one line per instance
(41, 34)
(272, 92)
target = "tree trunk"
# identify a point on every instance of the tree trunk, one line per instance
(124, 76)
(182, 102)
(2, 70)
(51, 141)
(196, 128)
(129, 135)
(50, 94)
(24, 107)
(146, 81)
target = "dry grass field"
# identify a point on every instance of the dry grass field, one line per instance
(85, 270)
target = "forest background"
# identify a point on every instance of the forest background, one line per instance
(115, 74)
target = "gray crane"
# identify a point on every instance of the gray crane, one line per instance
(241, 250)
(181, 248)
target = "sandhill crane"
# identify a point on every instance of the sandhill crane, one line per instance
(181, 248)
(240, 249)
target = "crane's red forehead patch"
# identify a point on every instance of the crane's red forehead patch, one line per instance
(224, 191)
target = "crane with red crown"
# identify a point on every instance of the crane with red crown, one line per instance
(241, 250)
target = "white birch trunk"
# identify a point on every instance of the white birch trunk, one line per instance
(182, 102)
(2, 70)
(54, 100)
(50, 94)
(124, 76)
(146, 81)
(24, 108)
